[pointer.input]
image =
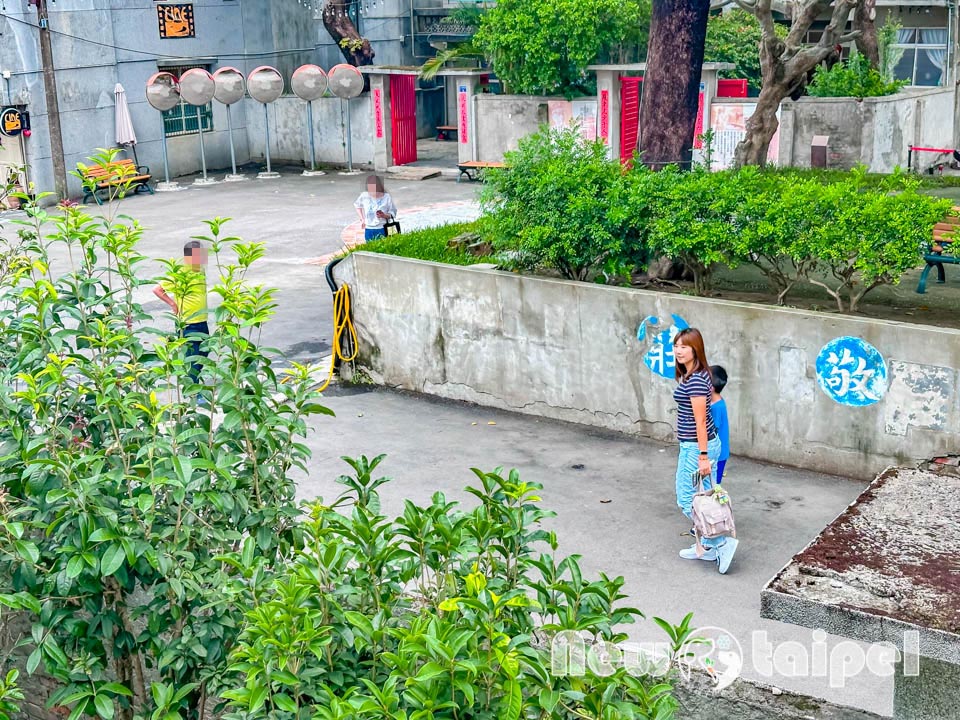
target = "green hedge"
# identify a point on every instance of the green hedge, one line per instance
(563, 205)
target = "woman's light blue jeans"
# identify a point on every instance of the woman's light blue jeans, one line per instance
(687, 464)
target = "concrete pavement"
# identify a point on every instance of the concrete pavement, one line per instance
(615, 506)
(300, 219)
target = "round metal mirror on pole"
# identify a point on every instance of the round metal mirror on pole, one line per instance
(197, 89)
(265, 84)
(346, 83)
(163, 94)
(310, 83)
(229, 88)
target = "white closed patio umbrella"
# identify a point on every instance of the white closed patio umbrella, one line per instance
(125, 132)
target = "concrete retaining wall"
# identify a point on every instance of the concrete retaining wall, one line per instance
(570, 351)
(503, 120)
(875, 131)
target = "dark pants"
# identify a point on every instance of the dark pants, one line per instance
(196, 333)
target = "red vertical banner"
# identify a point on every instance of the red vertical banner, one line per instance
(698, 128)
(462, 114)
(378, 111)
(605, 116)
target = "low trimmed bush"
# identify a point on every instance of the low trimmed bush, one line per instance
(563, 205)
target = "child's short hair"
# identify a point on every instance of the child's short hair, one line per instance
(719, 377)
(190, 246)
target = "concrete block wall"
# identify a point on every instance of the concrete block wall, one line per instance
(289, 139)
(875, 132)
(503, 120)
(569, 351)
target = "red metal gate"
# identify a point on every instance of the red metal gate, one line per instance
(403, 118)
(629, 116)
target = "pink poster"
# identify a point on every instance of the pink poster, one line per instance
(378, 111)
(462, 114)
(605, 115)
(560, 113)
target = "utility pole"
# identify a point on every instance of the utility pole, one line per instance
(53, 104)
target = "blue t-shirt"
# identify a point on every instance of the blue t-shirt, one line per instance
(698, 384)
(722, 423)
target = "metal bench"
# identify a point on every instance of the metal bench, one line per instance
(939, 251)
(120, 173)
(473, 169)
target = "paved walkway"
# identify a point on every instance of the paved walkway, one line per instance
(615, 506)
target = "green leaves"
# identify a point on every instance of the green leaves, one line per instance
(852, 78)
(428, 615)
(124, 507)
(557, 207)
(565, 36)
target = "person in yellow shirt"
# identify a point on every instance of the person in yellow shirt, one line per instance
(188, 300)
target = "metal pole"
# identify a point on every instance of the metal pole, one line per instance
(163, 144)
(349, 139)
(313, 149)
(266, 124)
(203, 155)
(233, 155)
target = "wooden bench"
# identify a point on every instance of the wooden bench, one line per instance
(98, 180)
(443, 131)
(940, 250)
(473, 169)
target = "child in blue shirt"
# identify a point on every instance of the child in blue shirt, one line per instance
(719, 409)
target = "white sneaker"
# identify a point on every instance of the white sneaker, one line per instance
(690, 553)
(725, 554)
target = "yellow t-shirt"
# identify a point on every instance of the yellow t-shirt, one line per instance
(192, 306)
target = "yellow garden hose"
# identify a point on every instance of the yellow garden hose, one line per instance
(342, 323)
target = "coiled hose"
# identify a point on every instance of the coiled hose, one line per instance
(345, 345)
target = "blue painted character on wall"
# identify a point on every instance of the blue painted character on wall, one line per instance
(852, 372)
(659, 358)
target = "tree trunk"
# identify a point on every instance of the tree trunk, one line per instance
(786, 65)
(336, 19)
(761, 127)
(671, 83)
(864, 20)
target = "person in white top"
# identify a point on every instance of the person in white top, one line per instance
(375, 208)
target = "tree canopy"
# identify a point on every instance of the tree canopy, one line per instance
(543, 47)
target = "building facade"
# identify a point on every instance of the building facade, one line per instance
(99, 43)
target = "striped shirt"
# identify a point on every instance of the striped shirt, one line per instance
(698, 384)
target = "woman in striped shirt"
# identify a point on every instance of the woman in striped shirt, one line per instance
(699, 443)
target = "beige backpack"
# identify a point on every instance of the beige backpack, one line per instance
(712, 513)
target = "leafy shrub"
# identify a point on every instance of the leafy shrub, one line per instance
(120, 493)
(853, 78)
(693, 220)
(10, 695)
(562, 204)
(428, 244)
(543, 47)
(866, 239)
(439, 613)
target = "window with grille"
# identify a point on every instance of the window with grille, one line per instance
(184, 119)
